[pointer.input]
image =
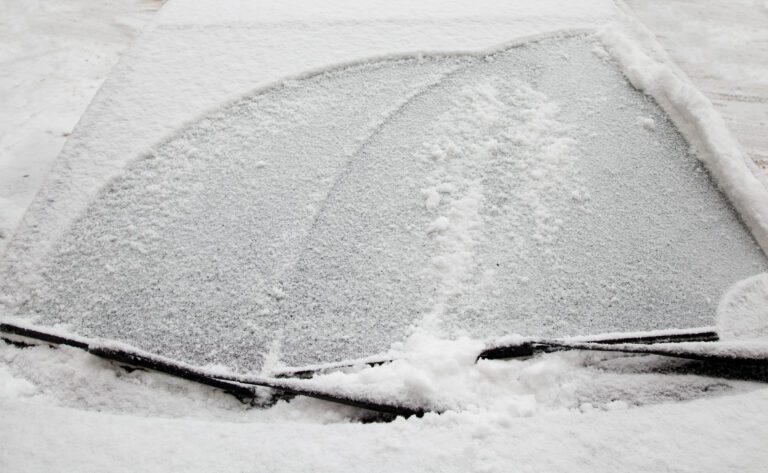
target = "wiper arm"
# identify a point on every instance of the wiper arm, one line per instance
(526, 347)
(530, 346)
(688, 344)
(241, 386)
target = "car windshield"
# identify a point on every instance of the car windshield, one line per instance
(531, 190)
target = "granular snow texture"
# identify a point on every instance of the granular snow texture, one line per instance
(518, 192)
(742, 313)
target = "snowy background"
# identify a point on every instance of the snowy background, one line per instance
(570, 412)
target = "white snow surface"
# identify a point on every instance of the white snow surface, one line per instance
(63, 410)
(553, 413)
(650, 69)
(704, 436)
(723, 47)
(295, 215)
(54, 57)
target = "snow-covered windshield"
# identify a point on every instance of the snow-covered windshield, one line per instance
(531, 191)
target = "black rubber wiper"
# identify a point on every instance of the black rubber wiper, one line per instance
(530, 347)
(241, 386)
(526, 347)
(687, 344)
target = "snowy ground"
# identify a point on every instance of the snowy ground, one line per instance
(64, 410)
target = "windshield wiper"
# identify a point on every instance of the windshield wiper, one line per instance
(697, 344)
(241, 386)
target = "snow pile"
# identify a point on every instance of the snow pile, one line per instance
(442, 375)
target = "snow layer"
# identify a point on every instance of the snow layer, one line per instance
(174, 74)
(55, 56)
(723, 47)
(650, 69)
(678, 437)
(444, 191)
(716, 434)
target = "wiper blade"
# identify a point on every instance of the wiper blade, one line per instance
(124, 356)
(529, 346)
(241, 386)
(754, 353)
(526, 347)
(688, 344)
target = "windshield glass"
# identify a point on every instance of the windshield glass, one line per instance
(531, 191)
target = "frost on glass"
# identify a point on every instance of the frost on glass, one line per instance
(529, 191)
